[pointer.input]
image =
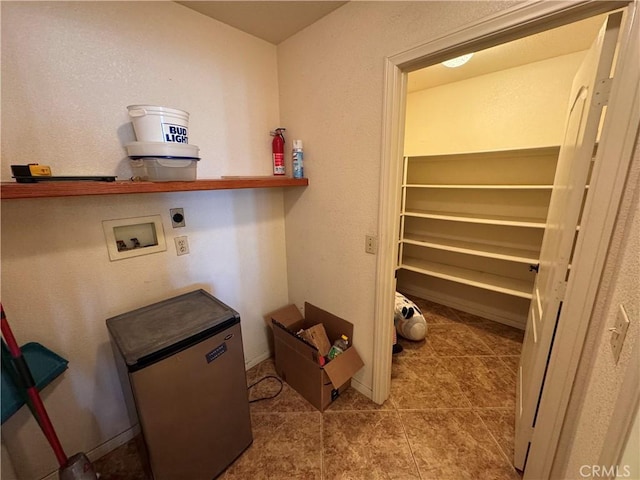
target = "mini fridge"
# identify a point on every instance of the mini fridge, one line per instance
(185, 366)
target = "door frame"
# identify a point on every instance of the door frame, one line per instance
(616, 149)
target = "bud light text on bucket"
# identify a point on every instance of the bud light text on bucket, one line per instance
(175, 133)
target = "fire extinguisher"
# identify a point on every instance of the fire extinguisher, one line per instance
(277, 146)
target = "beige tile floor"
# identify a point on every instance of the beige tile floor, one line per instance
(449, 416)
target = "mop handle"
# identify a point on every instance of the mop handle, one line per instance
(28, 383)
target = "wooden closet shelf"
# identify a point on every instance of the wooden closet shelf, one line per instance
(480, 187)
(472, 248)
(474, 218)
(489, 154)
(487, 281)
(12, 190)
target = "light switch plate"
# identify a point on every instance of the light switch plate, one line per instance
(371, 244)
(619, 332)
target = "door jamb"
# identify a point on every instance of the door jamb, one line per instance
(616, 146)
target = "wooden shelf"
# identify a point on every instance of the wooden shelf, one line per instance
(484, 219)
(535, 166)
(487, 281)
(483, 155)
(472, 248)
(12, 190)
(482, 187)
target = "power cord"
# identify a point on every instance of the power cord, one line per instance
(261, 380)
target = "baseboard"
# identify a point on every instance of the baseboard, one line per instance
(256, 360)
(51, 476)
(110, 445)
(104, 448)
(475, 309)
(362, 388)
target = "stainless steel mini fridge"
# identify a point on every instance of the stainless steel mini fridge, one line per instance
(186, 369)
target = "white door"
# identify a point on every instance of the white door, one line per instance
(589, 93)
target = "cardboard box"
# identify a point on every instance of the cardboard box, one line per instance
(317, 336)
(297, 360)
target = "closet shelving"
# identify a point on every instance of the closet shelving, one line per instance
(523, 255)
(476, 218)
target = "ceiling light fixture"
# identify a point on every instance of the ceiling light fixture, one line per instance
(458, 61)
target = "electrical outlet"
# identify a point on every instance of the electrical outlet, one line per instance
(619, 332)
(371, 244)
(182, 245)
(177, 217)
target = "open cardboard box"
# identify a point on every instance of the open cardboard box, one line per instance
(298, 362)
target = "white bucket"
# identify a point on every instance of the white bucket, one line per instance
(159, 124)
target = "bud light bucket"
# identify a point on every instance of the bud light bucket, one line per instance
(159, 124)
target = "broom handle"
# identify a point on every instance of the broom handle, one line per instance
(32, 391)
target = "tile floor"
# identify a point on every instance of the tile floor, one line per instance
(449, 416)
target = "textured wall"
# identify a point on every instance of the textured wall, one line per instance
(331, 87)
(599, 379)
(519, 107)
(68, 72)
(331, 84)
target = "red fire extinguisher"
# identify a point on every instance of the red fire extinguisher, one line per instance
(277, 146)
